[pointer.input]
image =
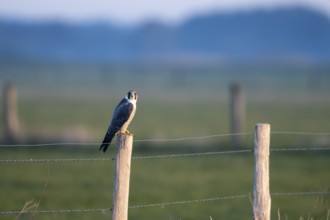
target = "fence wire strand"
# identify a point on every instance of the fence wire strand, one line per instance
(300, 149)
(192, 138)
(162, 205)
(164, 156)
(135, 141)
(301, 193)
(55, 160)
(52, 211)
(188, 201)
(301, 133)
(166, 139)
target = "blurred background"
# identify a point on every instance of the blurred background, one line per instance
(64, 66)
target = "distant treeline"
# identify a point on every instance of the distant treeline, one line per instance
(281, 34)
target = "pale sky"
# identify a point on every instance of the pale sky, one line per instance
(131, 12)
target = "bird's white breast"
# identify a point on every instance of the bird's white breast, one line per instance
(132, 101)
(126, 124)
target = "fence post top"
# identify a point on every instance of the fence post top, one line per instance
(259, 127)
(262, 124)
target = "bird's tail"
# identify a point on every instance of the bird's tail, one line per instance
(106, 141)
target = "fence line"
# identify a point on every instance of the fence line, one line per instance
(192, 138)
(301, 133)
(228, 198)
(162, 205)
(164, 156)
(54, 211)
(188, 201)
(300, 149)
(141, 140)
(54, 160)
(167, 139)
(301, 193)
(52, 144)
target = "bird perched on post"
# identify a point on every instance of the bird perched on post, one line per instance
(121, 118)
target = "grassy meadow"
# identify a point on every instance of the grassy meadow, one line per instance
(75, 102)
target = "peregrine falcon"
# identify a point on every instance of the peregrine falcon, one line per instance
(121, 118)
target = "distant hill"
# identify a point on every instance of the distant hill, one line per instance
(291, 34)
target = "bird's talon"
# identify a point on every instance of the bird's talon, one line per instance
(129, 133)
(125, 132)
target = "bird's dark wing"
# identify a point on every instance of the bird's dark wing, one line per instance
(121, 114)
(107, 139)
(119, 117)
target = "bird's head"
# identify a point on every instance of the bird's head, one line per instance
(132, 95)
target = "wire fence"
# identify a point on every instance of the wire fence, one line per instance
(135, 141)
(164, 204)
(166, 139)
(163, 156)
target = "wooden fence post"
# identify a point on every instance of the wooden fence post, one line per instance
(261, 194)
(122, 177)
(10, 117)
(237, 113)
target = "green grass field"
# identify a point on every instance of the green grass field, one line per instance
(85, 185)
(65, 100)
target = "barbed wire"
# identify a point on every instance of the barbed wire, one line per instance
(300, 149)
(165, 139)
(51, 144)
(301, 133)
(227, 198)
(51, 211)
(188, 201)
(164, 156)
(135, 141)
(162, 205)
(55, 160)
(192, 138)
(300, 193)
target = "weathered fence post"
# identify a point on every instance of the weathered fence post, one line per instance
(122, 177)
(261, 194)
(10, 117)
(237, 113)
